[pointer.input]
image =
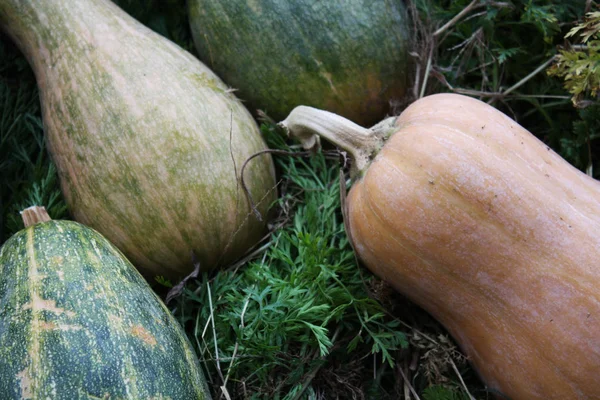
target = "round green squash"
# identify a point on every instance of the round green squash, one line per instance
(345, 56)
(147, 140)
(78, 321)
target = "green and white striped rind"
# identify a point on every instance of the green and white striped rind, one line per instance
(78, 321)
(349, 57)
(147, 140)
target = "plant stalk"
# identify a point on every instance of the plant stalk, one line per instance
(309, 124)
(34, 215)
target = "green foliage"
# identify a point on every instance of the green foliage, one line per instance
(588, 28)
(302, 319)
(277, 318)
(580, 70)
(543, 17)
(499, 51)
(161, 280)
(439, 392)
(28, 175)
(579, 145)
(498, 44)
(580, 66)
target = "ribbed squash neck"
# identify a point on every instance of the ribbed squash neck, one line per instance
(309, 124)
(34, 215)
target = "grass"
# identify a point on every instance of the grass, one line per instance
(302, 319)
(501, 52)
(28, 176)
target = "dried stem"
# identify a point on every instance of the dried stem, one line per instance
(309, 124)
(500, 95)
(245, 187)
(406, 382)
(426, 74)
(456, 18)
(251, 202)
(34, 215)
(212, 318)
(462, 382)
(529, 76)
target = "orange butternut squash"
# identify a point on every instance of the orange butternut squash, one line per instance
(476, 220)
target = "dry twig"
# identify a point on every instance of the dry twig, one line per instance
(456, 18)
(407, 383)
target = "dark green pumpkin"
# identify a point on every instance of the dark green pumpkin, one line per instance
(345, 56)
(77, 321)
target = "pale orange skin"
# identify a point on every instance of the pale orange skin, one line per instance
(494, 234)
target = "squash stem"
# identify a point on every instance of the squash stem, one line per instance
(34, 215)
(308, 124)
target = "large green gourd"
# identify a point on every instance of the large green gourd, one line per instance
(345, 56)
(77, 321)
(148, 142)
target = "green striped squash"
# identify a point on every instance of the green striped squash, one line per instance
(345, 56)
(147, 140)
(78, 321)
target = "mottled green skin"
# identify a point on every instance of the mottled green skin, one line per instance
(345, 56)
(78, 321)
(147, 140)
